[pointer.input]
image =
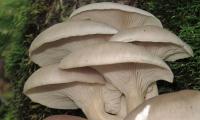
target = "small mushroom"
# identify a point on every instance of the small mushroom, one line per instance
(156, 40)
(128, 67)
(118, 15)
(64, 117)
(182, 105)
(50, 46)
(69, 89)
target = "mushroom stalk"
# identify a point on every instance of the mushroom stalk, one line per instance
(128, 67)
(152, 91)
(133, 79)
(89, 99)
(133, 100)
(112, 98)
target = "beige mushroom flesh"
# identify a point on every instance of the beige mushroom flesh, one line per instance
(152, 91)
(182, 105)
(50, 46)
(156, 40)
(112, 98)
(128, 67)
(159, 42)
(69, 89)
(114, 14)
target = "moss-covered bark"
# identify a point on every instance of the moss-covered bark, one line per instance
(182, 17)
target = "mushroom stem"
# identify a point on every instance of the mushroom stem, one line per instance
(133, 79)
(91, 102)
(133, 100)
(152, 91)
(112, 98)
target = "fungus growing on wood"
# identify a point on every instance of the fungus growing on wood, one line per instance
(112, 98)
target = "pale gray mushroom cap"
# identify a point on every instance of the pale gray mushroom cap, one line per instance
(60, 39)
(117, 15)
(48, 84)
(148, 36)
(118, 62)
(181, 105)
(110, 53)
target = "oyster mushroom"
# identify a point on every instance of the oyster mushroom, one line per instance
(118, 15)
(182, 105)
(156, 40)
(128, 67)
(50, 46)
(69, 89)
(64, 117)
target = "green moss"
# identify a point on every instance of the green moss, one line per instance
(13, 17)
(183, 18)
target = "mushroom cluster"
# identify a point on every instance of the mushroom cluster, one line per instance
(105, 60)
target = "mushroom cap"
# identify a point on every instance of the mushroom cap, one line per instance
(139, 15)
(181, 105)
(70, 29)
(114, 57)
(44, 85)
(64, 117)
(51, 45)
(110, 53)
(154, 34)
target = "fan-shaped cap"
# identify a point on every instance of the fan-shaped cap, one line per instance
(46, 85)
(153, 34)
(60, 39)
(124, 65)
(118, 15)
(110, 53)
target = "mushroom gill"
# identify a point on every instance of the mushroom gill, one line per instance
(114, 14)
(128, 67)
(69, 89)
